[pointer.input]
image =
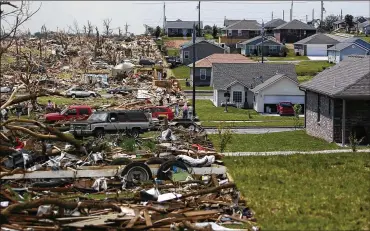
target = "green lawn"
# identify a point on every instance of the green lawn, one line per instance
(306, 192)
(181, 72)
(288, 122)
(175, 38)
(311, 68)
(208, 36)
(278, 141)
(305, 78)
(367, 39)
(207, 112)
(184, 87)
(290, 57)
(173, 52)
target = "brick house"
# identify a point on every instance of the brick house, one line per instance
(338, 102)
(293, 31)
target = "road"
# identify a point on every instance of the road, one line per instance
(253, 130)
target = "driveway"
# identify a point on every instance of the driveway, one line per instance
(253, 130)
(318, 58)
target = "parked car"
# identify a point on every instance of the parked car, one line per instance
(100, 123)
(77, 112)
(160, 112)
(119, 90)
(5, 90)
(285, 108)
(78, 92)
(146, 62)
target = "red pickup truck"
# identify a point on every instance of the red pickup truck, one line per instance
(161, 112)
(78, 112)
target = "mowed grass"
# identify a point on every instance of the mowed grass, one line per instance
(306, 192)
(184, 87)
(173, 52)
(269, 123)
(311, 68)
(181, 72)
(277, 141)
(302, 79)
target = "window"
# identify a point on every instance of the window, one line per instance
(84, 111)
(113, 115)
(237, 96)
(318, 107)
(272, 49)
(251, 49)
(230, 32)
(203, 73)
(186, 54)
(72, 112)
(240, 33)
(122, 117)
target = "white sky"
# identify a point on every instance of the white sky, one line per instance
(62, 13)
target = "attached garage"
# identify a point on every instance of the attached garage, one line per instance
(317, 49)
(270, 101)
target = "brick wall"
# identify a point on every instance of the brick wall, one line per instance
(324, 128)
(357, 118)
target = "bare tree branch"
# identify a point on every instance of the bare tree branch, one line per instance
(106, 23)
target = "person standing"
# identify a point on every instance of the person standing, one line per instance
(190, 112)
(177, 109)
(185, 111)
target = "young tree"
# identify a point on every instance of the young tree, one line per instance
(157, 32)
(349, 21)
(214, 31)
(207, 29)
(328, 24)
(106, 24)
(90, 28)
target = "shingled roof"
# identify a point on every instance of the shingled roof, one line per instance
(248, 74)
(349, 78)
(274, 23)
(179, 24)
(320, 38)
(221, 58)
(295, 25)
(244, 25)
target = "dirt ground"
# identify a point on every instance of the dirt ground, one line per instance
(175, 43)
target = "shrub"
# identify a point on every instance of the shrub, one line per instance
(224, 136)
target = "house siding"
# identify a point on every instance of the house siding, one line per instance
(292, 36)
(198, 80)
(324, 129)
(337, 56)
(202, 50)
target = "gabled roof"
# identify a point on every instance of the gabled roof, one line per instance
(320, 38)
(295, 25)
(202, 40)
(179, 24)
(258, 38)
(221, 58)
(228, 22)
(271, 81)
(339, 21)
(343, 45)
(244, 25)
(248, 73)
(348, 78)
(274, 23)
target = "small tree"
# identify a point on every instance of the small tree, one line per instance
(349, 21)
(283, 51)
(297, 111)
(214, 31)
(354, 142)
(157, 32)
(224, 136)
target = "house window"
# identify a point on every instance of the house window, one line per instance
(318, 107)
(239, 32)
(203, 73)
(237, 96)
(186, 54)
(251, 49)
(230, 32)
(272, 49)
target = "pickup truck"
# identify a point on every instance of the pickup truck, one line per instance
(100, 123)
(77, 112)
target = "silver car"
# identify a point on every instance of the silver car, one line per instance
(78, 92)
(5, 90)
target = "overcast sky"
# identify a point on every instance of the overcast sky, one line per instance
(62, 13)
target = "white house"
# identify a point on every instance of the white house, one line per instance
(316, 45)
(255, 85)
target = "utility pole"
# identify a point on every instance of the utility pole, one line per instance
(306, 18)
(199, 30)
(341, 14)
(272, 15)
(291, 11)
(126, 29)
(313, 14)
(322, 13)
(262, 34)
(283, 15)
(164, 16)
(194, 55)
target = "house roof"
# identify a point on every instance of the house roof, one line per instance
(339, 21)
(199, 40)
(244, 25)
(295, 25)
(248, 74)
(228, 22)
(221, 58)
(348, 78)
(343, 45)
(259, 37)
(274, 23)
(182, 24)
(320, 38)
(271, 81)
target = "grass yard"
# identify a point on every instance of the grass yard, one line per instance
(311, 68)
(175, 38)
(184, 87)
(367, 39)
(306, 192)
(288, 122)
(207, 112)
(277, 141)
(290, 57)
(305, 78)
(181, 72)
(173, 52)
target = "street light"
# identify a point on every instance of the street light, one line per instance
(227, 96)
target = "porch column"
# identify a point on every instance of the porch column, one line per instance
(344, 123)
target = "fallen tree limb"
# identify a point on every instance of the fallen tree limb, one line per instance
(60, 203)
(210, 190)
(15, 171)
(29, 132)
(191, 226)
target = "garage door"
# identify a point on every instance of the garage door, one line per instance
(275, 99)
(316, 50)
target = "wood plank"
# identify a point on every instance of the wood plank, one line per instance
(133, 220)
(148, 220)
(200, 213)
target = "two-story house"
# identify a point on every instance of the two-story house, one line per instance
(293, 31)
(180, 28)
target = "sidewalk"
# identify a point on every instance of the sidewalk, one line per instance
(281, 153)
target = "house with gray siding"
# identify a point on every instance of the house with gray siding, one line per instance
(240, 79)
(180, 28)
(351, 46)
(338, 102)
(253, 46)
(317, 44)
(203, 67)
(203, 48)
